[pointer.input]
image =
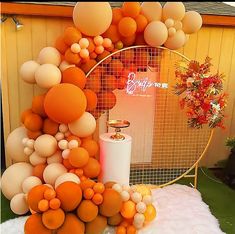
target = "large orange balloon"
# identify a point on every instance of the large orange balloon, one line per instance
(65, 103)
(127, 26)
(92, 18)
(131, 9)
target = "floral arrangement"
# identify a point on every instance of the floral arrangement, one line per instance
(201, 94)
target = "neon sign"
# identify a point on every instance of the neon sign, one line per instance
(143, 84)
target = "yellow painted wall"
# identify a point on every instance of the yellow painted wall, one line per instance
(20, 46)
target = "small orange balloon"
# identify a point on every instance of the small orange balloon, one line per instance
(67, 164)
(43, 205)
(128, 209)
(88, 193)
(33, 122)
(127, 26)
(38, 171)
(131, 230)
(24, 114)
(128, 41)
(117, 15)
(99, 188)
(121, 230)
(141, 22)
(78, 157)
(54, 203)
(61, 45)
(91, 98)
(86, 67)
(71, 35)
(53, 219)
(150, 213)
(91, 146)
(87, 211)
(49, 194)
(33, 135)
(87, 184)
(50, 127)
(72, 58)
(112, 33)
(97, 199)
(131, 9)
(79, 172)
(91, 46)
(92, 168)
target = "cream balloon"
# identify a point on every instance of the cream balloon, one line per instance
(36, 159)
(169, 23)
(30, 182)
(13, 178)
(173, 10)
(14, 145)
(45, 145)
(27, 71)
(155, 34)
(47, 76)
(192, 22)
(67, 177)
(64, 65)
(52, 172)
(171, 31)
(151, 10)
(92, 18)
(84, 126)
(19, 204)
(55, 158)
(175, 42)
(49, 55)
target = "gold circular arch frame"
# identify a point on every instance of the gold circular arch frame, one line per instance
(149, 172)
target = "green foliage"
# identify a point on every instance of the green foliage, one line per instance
(230, 142)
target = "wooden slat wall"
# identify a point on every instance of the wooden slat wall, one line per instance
(38, 32)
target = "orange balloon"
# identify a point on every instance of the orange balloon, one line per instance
(92, 168)
(79, 172)
(60, 45)
(86, 67)
(78, 157)
(72, 35)
(112, 203)
(67, 164)
(53, 219)
(88, 193)
(94, 81)
(91, 46)
(33, 135)
(43, 205)
(131, 230)
(150, 213)
(128, 41)
(88, 183)
(97, 199)
(96, 226)
(38, 171)
(70, 195)
(34, 225)
(91, 146)
(139, 40)
(91, 98)
(50, 127)
(131, 9)
(106, 101)
(33, 122)
(115, 220)
(116, 67)
(24, 114)
(87, 211)
(99, 188)
(71, 225)
(72, 58)
(54, 203)
(74, 75)
(127, 26)
(117, 15)
(65, 103)
(141, 22)
(104, 55)
(35, 195)
(49, 194)
(112, 33)
(128, 210)
(121, 230)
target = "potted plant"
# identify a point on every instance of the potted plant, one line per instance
(230, 166)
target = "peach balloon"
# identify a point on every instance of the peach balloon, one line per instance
(175, 42)
(55, 158)
(30, 182)
(14, 146)
(47, 75)
(92, 18)
(49, 55)
(36, 159)
(192, 22)
(173, 10)
(13, 177)
(151, 10)
(64, 65)
(19, 204)
(84, 126)
(52, 172)
(155, 34)
(45, 145)
(27, 71)
(67, 177)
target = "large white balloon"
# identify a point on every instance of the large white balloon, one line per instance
(13, 178)
(67, 177)
(173, 10)
(27, 71)
(49, 55)
(19, 204)
(192, 22)
(30, 182)
(84, 126)
(151, 10)
(14, 145)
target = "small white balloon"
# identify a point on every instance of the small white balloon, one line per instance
(30, 143)
(125, 195)
(117, 187)
(55, 158)
(138, 225)
(24, 141)
(171, 31)
(169, 23)
(65, 153)
(141, 207)
(28, 151)
(19, 204)
(139, 218)
(73, 144)
(126, 188)
(75, 48)
(133, 188)
(147, 199)
(136, 197)
(63, 144)
(36, 159)
(59, 136)
(178, 25)
(64, 65)
(63, 128)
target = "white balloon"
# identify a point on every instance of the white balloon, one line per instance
(141, 207)
(169, 23)
(67, 177)
(30, 182)
(36, 159)
(49, 55)
(19, 205)
(63, 144)
(151, 10)
(125, 195)
(117, 187)
(27, 71)
(55, 158)
(64, 65)
(136, 197)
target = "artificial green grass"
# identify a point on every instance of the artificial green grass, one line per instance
(219, 197)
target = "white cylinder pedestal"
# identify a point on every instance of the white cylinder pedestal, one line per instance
(115, 159)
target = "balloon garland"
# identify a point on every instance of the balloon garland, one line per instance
(55, 156)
